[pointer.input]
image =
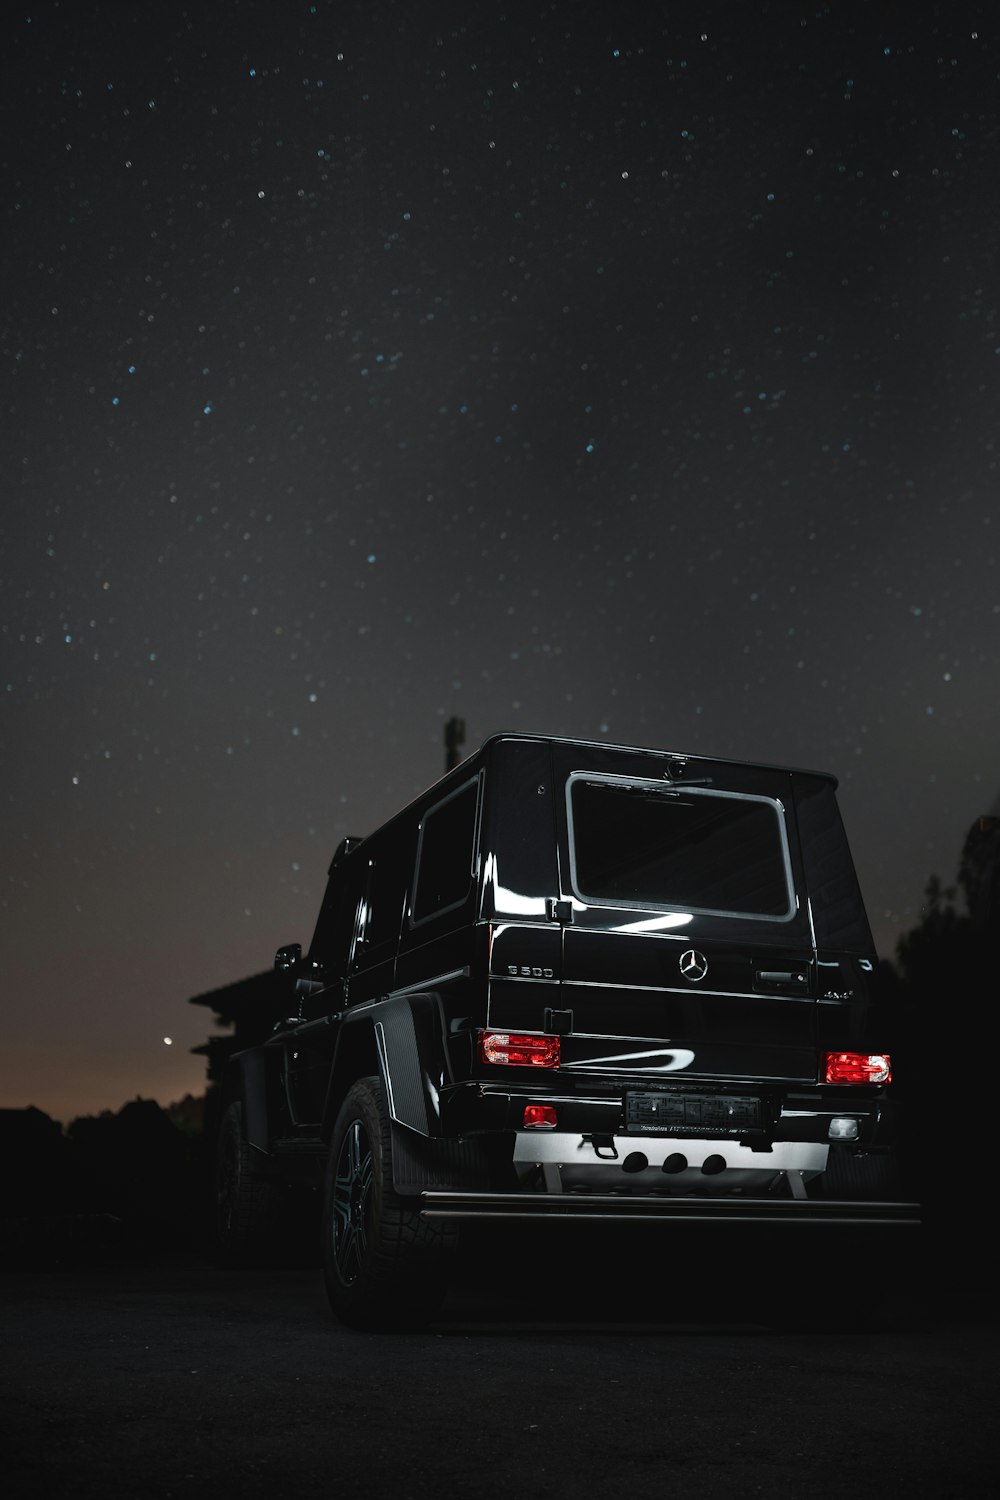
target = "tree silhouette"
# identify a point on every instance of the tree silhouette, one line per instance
(946, 996)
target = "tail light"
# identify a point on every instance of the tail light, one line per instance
(540, 1117)
(857, 1067)
(516, 1050)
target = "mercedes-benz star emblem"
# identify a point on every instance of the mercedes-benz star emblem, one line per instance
(694, 965)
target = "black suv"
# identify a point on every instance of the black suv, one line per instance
(571, 980)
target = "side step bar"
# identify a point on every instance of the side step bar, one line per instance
(610, 1206)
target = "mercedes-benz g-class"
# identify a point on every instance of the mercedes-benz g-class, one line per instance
(571, 981)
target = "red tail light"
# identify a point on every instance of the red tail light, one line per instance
(508, 1049)
(540, 1117)
(857, 1067)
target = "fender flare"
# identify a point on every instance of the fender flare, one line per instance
(409, 1034)
(405, 1036)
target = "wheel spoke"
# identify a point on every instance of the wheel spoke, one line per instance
(342, 1210)
(352, 1190)
(348, 1253)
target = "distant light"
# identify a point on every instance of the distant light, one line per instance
(168, 1041)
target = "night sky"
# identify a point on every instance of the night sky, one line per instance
(623, 372)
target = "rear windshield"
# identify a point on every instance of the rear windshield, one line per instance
(633, 843)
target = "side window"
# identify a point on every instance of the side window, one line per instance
(334, 934)
(446, 853)
(333, 942)
(380, 911)
(382, 905)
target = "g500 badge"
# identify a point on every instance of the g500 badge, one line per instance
(529, 971)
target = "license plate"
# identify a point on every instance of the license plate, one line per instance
(693, 1114)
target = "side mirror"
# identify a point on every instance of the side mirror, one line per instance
(287, 960)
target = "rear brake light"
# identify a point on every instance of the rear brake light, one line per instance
(519, 1051)
(540, 1117)
(857, 1067)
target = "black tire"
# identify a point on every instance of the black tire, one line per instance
(250, 1212)
(384, 1266)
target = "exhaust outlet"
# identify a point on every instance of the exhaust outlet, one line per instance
(675, 1162)
(636, 1161)
(713, 1165)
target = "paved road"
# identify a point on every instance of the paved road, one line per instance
(162, 1376)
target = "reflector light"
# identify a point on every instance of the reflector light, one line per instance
(539, 1117)
(506, 1048)
(857, 1067)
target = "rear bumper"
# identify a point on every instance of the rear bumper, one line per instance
(647, 1209)
(585, 1104)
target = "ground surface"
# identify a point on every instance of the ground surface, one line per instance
(589, 1373)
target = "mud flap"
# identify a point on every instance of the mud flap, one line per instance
(422, 1164)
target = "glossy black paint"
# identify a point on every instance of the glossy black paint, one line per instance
(651, 997)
